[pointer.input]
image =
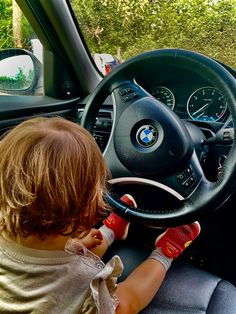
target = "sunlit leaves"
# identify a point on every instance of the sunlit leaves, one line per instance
(207, 26)
(6, 39)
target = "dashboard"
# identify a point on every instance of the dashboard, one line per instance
(198, 103)
(191, 96)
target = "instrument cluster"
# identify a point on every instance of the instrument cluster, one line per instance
(203, 104)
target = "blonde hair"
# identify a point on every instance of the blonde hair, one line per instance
(52, 179)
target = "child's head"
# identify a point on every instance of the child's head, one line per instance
(52, 178)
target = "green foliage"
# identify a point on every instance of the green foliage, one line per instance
(133, 26)
(6, 35)
(20, 81)
(6, 29)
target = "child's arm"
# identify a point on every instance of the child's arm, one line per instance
(92, 239)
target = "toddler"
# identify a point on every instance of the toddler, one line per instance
(52, 181)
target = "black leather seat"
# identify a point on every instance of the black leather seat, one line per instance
(186, 289)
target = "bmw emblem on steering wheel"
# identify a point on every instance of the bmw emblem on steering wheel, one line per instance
(147, 135)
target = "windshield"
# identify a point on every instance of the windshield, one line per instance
(120, 29)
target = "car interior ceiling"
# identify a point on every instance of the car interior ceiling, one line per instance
(214, 250)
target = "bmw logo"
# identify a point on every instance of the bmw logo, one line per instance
(147, 135)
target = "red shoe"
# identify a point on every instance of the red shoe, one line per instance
(175, 240)
(117, 224)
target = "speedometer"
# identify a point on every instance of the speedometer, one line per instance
(165, 95)
(206, 104)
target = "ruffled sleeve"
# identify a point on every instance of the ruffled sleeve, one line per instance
(103, 286)
(101, 297)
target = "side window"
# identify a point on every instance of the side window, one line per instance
(21, 53)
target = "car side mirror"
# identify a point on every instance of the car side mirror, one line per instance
(20, 73)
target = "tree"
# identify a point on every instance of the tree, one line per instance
(6, 34)
(133, 26)
(15, 31)
(106, 22)
(17, 17)
(128, 27)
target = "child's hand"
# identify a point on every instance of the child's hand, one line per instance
(92, 239)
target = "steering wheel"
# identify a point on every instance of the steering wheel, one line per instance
(150, 145)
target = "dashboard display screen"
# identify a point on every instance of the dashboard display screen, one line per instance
(206, 104)
(164, 95)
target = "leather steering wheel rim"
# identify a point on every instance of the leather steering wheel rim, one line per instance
(207, 196)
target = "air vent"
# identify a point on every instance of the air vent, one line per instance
(104, 114)
(103, 121)
(102, 127)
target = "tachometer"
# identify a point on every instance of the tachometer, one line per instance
(206, 104)
(165, 95)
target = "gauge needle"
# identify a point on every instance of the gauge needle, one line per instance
(201, 114)
(203, 107)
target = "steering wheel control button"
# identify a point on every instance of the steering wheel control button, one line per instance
(192, 179)
(180, 177)
(186, 178)
(147, 135)
(125, 91)
(187, 184)
(130, 96)
(128, 93)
